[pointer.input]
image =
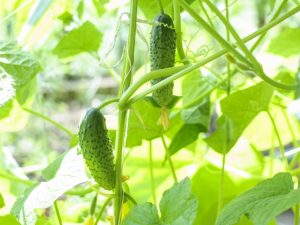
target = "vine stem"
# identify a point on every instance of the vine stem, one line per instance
(276, 14)
(177, 24)
(169, 159)
(123, 113)
(108, 102)
(221, 190)
(58, 213)
(105, 204)
(151, 173)
(253, 62)
(296, 220)
(175, 73)
(213, 32)
(161, 8)
(56, 124)
(290, 127)
(281, 147)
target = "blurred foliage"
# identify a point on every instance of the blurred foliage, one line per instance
(59, 58)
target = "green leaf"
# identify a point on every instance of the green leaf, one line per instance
(143, 214)
(65, 174)
(5, 108)
(151, 8)
(187, 134)
(143, 123)
(194, 85)
(86, 38)
(239, 109)
(99, 6)
(17, 68)
(262, 203)
(50, 171)
(80, 9)
(287, 43)
(2, 203)
(9, 220)
(199, 114)
(178, 206)
(66, 17)
(26, 94)
(21, 66)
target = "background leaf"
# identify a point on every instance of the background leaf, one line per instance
(2, 203)
(69, 172)
(178, 206)
(143, 123)
(18, 64)
(286, 43)
(9, 220)
(86, 38)
(238, 109)
(265, 201)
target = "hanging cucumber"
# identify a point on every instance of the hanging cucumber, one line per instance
(162, 55)
(97, 149)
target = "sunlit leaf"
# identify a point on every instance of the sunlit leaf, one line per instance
(239, 109)
(20, 65)
(65, 175)
(187, 134)
(177, 206)
(9, 220)
(286, 43)
(143, 123)
(262, 203)
(86, 38)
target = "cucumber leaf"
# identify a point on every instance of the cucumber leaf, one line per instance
(262, 203)
(86, 38)
(239, 109)
(177, 206)
(286, 43)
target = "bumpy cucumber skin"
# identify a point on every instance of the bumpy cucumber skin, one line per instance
(96, 148)
(162, 55)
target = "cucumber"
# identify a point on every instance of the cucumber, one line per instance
(162, 55)
(96, 148)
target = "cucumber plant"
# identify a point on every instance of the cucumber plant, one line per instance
(191, 118)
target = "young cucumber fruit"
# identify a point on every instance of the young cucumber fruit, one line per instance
(96, 148)
(162, 55)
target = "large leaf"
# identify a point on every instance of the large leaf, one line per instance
(287, 43)
(178, 206)
(68, 173)
(196, 120)
(195, 85)
(86, 38)
(187, 134)
(17, 68)
(239, 109)
(151, 8)
(9, 220)
(263, 202)
(18, 64)
(143, 123)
